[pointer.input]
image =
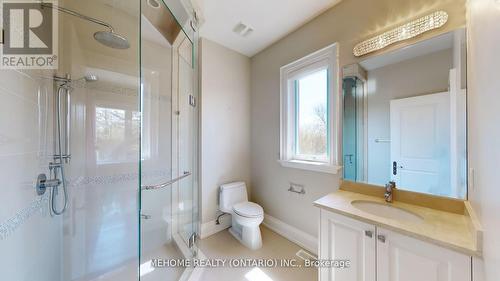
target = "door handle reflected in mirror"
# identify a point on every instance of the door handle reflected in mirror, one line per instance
(350, 157)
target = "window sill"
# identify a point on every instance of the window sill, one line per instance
(311, 166)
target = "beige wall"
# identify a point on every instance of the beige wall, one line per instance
(346, 23)
(484, 130)
(225, 125)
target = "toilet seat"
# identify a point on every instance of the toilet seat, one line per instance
(248, 209)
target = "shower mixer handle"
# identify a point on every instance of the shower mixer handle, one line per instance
(42, 183)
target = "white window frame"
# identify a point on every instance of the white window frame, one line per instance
(326, 58)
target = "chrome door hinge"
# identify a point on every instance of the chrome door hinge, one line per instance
(192, 101)
(193, 25)
(192, 240)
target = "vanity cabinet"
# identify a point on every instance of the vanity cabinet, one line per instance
(347, 239)
(377, 254)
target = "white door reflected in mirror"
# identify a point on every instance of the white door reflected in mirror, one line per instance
(420, 143)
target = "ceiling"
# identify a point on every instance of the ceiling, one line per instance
(270, 20)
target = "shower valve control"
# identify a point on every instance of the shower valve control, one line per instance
(42, 183)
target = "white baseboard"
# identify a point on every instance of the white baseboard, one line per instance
(297, 236)
(210, 228)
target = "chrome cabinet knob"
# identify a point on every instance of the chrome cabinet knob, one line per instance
(381, 238)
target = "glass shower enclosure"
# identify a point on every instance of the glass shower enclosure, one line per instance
(100, 156)
(169, 157)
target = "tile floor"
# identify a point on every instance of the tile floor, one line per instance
(129, 271)
(223, 245)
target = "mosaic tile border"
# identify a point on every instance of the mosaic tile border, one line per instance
(114, 179)
(11, 225)
(8, 227)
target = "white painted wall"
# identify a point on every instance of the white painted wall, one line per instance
(225, 123)
(414, 77)
(484, 129)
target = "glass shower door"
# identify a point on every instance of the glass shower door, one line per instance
(186, 141)
(168, 144)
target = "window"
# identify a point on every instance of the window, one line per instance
(116, 133)
(309, 114)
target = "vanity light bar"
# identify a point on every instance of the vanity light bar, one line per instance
(403, 32)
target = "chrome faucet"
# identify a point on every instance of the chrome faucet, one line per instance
(389, 191)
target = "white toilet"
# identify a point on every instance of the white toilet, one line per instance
(246, 216)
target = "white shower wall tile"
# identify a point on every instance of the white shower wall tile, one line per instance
(30, 239)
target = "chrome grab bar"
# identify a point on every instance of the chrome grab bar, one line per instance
(162, 185)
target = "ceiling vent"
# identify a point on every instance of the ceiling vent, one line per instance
(242, 29)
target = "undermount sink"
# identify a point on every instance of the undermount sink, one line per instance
(386, 211)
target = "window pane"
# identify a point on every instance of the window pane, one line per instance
(312, 116)
(115, 130)
(110, 134)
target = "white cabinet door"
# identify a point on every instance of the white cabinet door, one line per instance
(401, 258)
(342, 238)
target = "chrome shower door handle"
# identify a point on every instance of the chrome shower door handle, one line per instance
(165, 184)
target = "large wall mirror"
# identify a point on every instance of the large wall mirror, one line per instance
(404, 117)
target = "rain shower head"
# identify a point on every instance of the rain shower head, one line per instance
(111, 39)
(108, 38)
(91, 78)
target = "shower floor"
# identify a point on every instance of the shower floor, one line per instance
(129, 271)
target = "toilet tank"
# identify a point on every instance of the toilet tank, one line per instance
(230, 194)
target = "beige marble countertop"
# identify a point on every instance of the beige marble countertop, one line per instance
(450, 230)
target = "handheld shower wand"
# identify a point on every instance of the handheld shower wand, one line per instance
(60, 157)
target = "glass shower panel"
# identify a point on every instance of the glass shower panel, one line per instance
(96, 236)
(187, 142)
(101, 226)
(156, 149)
(168, 143)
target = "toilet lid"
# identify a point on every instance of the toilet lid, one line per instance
(248, 209)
